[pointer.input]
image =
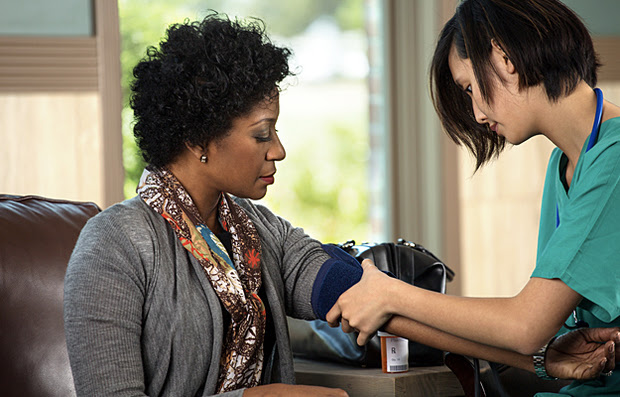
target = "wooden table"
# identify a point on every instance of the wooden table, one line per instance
(372, 382)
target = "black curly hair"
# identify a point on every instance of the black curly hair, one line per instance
(204, 75)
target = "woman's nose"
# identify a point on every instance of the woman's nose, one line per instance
(277, 151)
(479, 115)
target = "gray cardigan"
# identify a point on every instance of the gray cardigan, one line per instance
(141, 318)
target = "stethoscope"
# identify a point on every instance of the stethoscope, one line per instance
(591, 141)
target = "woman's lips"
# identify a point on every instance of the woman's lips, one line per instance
(493, 127)
(268, 179)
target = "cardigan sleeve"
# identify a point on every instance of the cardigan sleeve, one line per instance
(103, 301)
(296, 257)
(314, 274)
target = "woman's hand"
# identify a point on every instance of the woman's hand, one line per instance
(284, 390)
(585, 353)
(362, 307)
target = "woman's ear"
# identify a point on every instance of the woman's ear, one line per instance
(501, 60)
(196, 150)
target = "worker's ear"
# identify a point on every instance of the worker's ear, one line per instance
(501, 61)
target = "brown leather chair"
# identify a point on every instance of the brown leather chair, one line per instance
(37, 236)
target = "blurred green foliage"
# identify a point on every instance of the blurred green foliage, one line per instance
(321, 185)
(143, 22)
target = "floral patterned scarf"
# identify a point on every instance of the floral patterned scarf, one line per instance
(236, 282)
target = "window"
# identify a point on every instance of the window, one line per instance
(323, 185)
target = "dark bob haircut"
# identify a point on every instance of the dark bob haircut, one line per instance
(546, 42)
(204, 75)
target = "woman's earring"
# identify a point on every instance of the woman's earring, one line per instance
(203, 158)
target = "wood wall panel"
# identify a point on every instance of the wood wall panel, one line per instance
(109, 75)
(500, 208)
(51, 145)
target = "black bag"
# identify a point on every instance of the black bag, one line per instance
(408, 262)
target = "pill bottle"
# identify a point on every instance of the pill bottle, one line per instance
(394, 353)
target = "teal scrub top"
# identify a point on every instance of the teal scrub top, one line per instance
(584, 249)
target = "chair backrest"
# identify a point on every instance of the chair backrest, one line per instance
(37, 236)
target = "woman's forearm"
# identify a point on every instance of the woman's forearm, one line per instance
(522, 323)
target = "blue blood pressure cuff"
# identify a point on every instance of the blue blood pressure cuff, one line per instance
(338, 274)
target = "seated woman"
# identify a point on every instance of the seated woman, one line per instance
(184, 289)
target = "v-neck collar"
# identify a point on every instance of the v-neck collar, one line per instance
(563, 164)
